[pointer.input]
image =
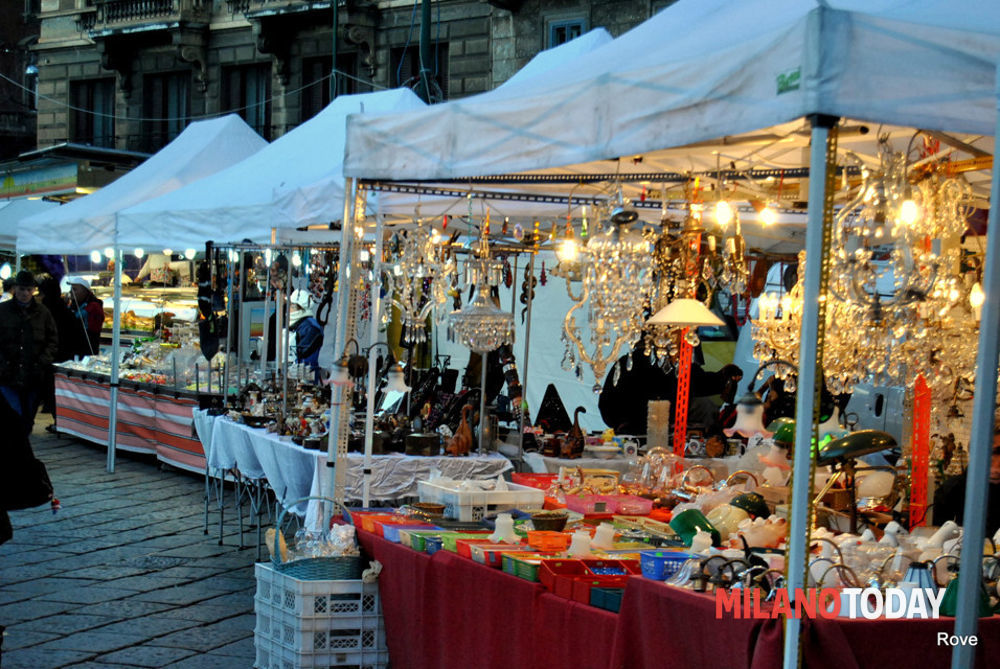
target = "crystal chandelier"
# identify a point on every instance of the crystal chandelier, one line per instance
(690, 264)
(481, 325)
(905, 298)
(615, 266)
(418, 278)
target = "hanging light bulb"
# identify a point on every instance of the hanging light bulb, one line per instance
(365, 255)
(568, 250)
(95, 256)
(976, 296)
(723, 213)
(267, 256)
(296, 259)
(109, 253)
(189, 254)
(768, 216)
(168, 252)
(909, 212)
(5, 271)
(138, 253)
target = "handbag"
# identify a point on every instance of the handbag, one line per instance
(25, 486)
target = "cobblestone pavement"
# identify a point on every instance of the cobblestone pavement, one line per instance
(123, 576)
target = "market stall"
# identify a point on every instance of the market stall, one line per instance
(936, 71)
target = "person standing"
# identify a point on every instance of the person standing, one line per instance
(28, 344)
(89, 313)
(308, 332)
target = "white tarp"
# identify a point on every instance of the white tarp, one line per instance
(702, 69)
(12, 212)
(295, 181)
(91, 222)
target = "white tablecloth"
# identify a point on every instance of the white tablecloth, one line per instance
(294, 472)
(541, 464)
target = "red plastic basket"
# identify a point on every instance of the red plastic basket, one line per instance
(540, 481)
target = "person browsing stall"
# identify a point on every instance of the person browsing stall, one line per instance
(89, 312)
(308, 332)
(28, 344)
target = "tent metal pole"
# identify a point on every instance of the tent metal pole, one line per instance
(229, 327)
(265, 338)
(338, 391)
(483, 356)
(524, 373)
(372, 359)
(981, 438)
(116, 340)
(804, 401)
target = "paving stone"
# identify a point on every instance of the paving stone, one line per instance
(32, 609)
(108, 573)
(94, 641)
(122, 609)
(152, 626)
(206, 638)
(42, 658)
(65, 623)
(147, 656)
(147, 582)
(15, 638)
(211, 661)
(203, 613)
(243, 648)
(88, 595)
(190, 593)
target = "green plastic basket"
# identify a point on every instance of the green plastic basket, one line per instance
(341, 568)
(522, 568)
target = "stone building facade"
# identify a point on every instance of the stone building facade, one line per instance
(130, 74)
(18, 33)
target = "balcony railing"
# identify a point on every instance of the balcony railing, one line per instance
(113, 14)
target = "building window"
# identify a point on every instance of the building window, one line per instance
(166, 103)
(564, 30)
(92, 119)
(406, 69)
(316, 82)
(246, 91)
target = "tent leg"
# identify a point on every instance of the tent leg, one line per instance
(116, 340)
(805, 398)
(981, 439)
(524, 372)
(372, 358)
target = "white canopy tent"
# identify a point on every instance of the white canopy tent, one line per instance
(12, 212)
(295, 181)
(93, 222)
(728, 69)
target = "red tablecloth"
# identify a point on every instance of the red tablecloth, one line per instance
(448, 611)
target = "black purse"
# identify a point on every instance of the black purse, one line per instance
(25, 485)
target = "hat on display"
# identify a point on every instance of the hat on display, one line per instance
(25, 278)
(78, 281)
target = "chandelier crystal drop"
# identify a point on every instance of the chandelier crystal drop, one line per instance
(480, 325)
(616, 267)
(417, 276)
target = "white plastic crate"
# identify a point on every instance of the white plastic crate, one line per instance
(309, 599)
(275, 656)
(319, 623)
(468, 505)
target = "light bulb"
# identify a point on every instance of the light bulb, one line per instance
(365, 255)
(568, 250)
(5, 271)
(138, 253)
(109, 253)
(189, 254)
(296, 259)
(768, 216)
(976, 296)
(168, 252)
(95, 256)
(435, 237)
(267, 256)
(909, 212)
(723, 213)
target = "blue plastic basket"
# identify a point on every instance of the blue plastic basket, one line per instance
(661, 565)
